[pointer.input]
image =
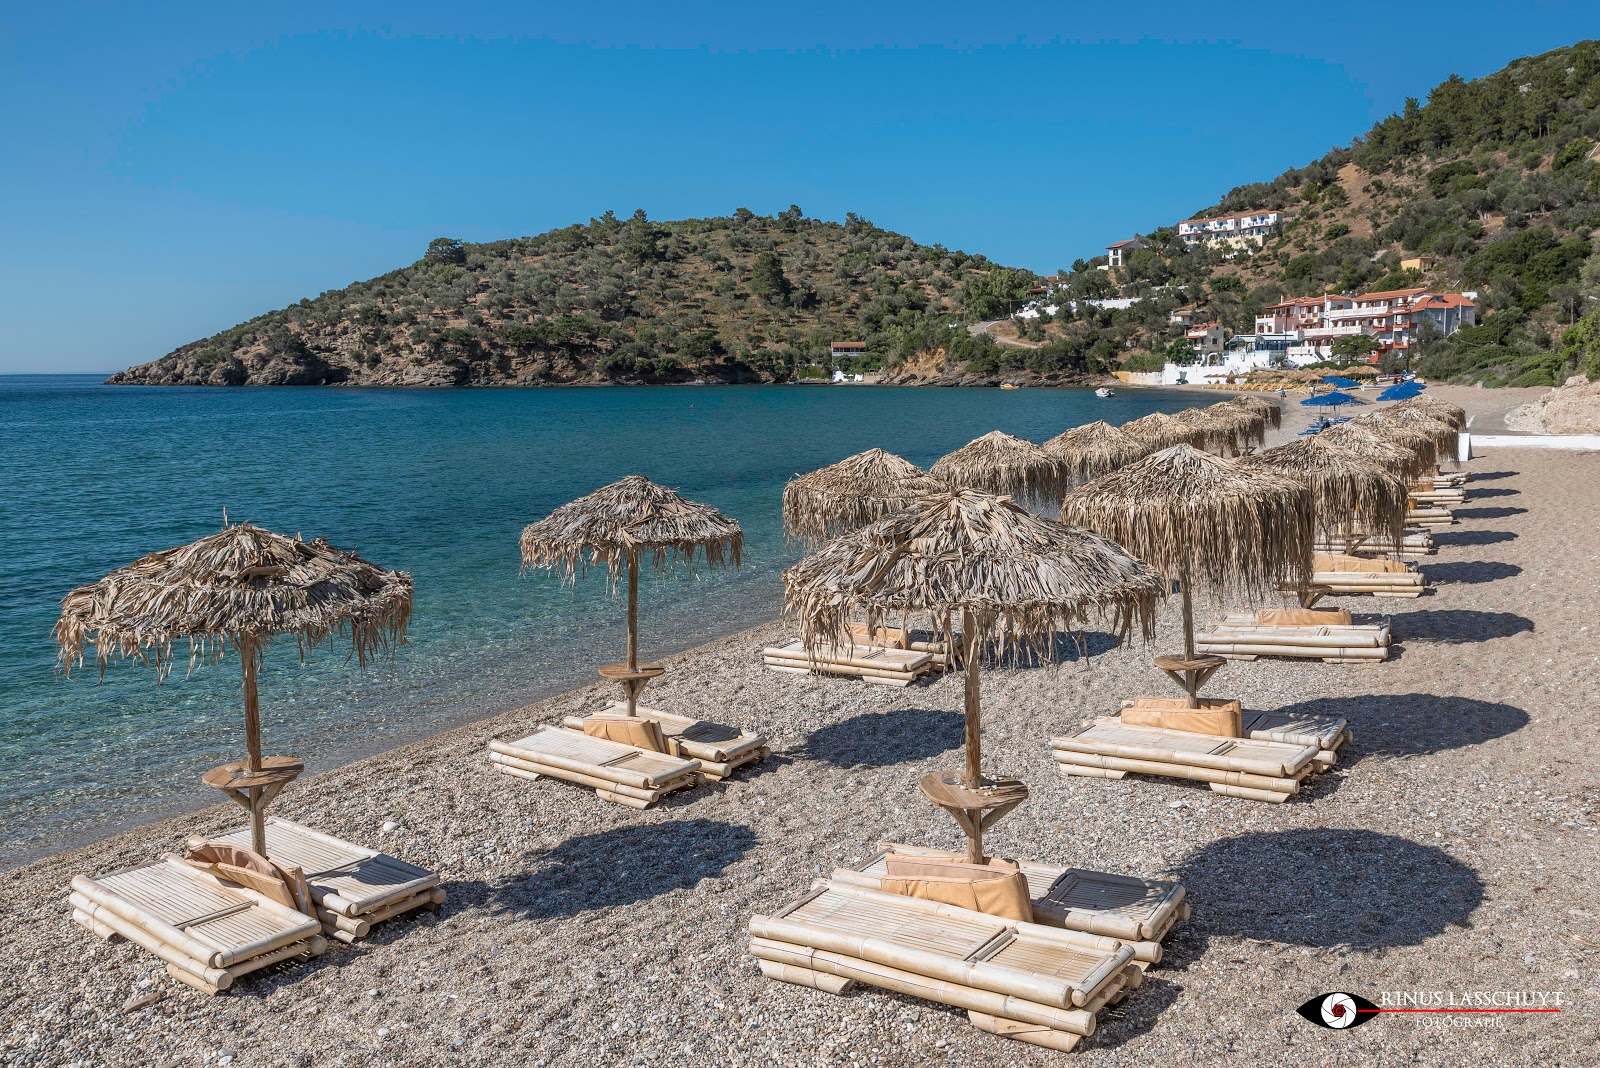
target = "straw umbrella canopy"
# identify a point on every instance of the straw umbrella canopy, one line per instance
(1441, 430)
(1006, 573)
(1092, 449)
(1192, 515)
(857, 490)
(1398, 456)
(1361, 371)
(1424, 441)
(1249, 423)
(1453, 414)
(618, 525)
(237, 589)
(1001, 463)
(1221, 432)
(1159, 430)
(1344, 485)
(1270, 410)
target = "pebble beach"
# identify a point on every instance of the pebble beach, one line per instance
(1455, 846)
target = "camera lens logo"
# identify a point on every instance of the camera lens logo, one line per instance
(1338, 1010)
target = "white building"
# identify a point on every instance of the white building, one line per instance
(1117, 254)
(1392, 318)
(1245, 229)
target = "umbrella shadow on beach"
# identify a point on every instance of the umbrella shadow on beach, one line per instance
(622, 866)
(1326, 887)
(1490, 476)
(883, 739)
(1061, 649)
(1413, 724)
(1136, 1014)
(1502, 512)
(1494, 491)
(1470, 572)
(1473, 537)
(1457, 626)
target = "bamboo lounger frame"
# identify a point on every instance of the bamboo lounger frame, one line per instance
(872, 663)
(720, 749)
(208, 931)
(630, 776)
(1025, 981)
(1379, 584)
(1248, 767)
(1240, 637)
(353, 887)
(1138, 912)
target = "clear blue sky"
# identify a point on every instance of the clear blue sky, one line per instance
(172, 169)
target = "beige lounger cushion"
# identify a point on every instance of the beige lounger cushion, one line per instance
(1333, 562)
(997, 888)
(889, 637)
(283, 883)
(1303, 617)
(1214, 716)
(640, 733)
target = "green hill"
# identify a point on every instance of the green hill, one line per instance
(744, 298)
(1494, 180)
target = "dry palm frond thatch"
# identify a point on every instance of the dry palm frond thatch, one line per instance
(237, 588)
(1234, 529)
(857, 490)
(1271, 410)
(1361, 371)
(1348, 489)
(1001, 463)
(240, 586)
(617, 524)
(1159, 430)
(1249, 423)
(1393, 454)
(1090, 450)
(1424, 442)
(1003, 571)
(1453, 414)
(1226, 430)
(1442, 431)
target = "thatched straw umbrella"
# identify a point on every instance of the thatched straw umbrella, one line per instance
(1420, 440)
(1190, 514)
(1453, 414)
(1249, 423)
(1398, 456)
(1001, 463)
(848, 495)
(1272, 411)
(1365, 370)
(615, 526)
(1345, 485)
(1090, 450)
(1440, 429)
(238, 589)
(1158, 431)
(1221, 432)
(1008, 574)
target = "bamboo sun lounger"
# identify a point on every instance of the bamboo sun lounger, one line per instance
(1138, 912)
(1414, 544)
(1256, 769)
(1433, 494)
(626, 774)
(209, 931)
(1250, 635)
(720, 749)
(872, 663)
(353, 887)
(1346, 575)
(1025, 981)
(1428, 515)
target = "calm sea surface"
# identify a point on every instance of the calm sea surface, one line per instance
(435, 482)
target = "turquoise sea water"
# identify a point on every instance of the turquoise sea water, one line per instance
(435, 482)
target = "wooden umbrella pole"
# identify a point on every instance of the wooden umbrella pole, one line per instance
(252, 734)
(633, 615)
(1188, 633)
(970, 653)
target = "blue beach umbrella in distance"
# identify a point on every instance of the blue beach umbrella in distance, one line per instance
(1401, 391)
(1328, 400)
(1342, 382)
